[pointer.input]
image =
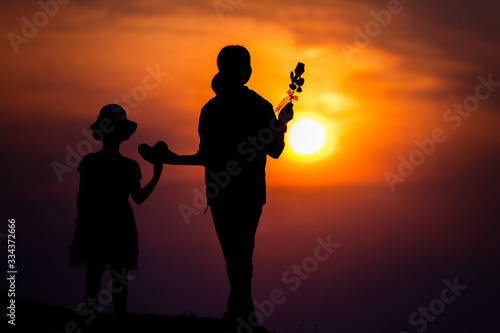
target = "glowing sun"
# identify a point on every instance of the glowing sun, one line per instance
(308, 137)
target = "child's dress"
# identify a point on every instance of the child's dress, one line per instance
(106, 230)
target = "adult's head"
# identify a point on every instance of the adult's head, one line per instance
(233, 63)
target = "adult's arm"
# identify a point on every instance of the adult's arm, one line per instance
(278, 128)
(194, 159)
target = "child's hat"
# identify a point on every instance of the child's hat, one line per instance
(115, 115)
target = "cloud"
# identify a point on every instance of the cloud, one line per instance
(394, 90)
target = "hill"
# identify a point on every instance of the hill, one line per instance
(35, 316)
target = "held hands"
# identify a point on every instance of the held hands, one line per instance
(286, 114)
(158, 154)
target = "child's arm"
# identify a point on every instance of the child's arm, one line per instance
(139, 195)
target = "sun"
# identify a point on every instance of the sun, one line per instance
(309, 137)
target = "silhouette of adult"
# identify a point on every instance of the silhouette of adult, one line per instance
(237, 129)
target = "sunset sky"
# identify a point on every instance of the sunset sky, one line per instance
(384, 78)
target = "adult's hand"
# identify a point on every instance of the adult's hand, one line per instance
(286, 114)
(169, 157)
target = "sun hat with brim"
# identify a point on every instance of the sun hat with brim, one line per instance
(114, 115)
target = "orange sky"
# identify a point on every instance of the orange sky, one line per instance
(379, 100)
(376, 103)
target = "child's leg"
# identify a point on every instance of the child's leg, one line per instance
(120, 287)
(93, 284)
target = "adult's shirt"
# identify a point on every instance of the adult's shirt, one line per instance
(238, 129)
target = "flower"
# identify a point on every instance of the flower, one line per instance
(295, 86)
(300, 69)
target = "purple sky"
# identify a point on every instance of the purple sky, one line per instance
(396, 248)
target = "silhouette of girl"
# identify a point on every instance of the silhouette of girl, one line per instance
(106, 231)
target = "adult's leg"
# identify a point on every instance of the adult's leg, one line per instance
(93, 279)
(236, 225)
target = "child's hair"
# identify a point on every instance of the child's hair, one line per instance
(112, 121)
(233, 62)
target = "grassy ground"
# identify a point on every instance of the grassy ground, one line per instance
(35, 316)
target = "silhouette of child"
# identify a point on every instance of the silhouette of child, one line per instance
(106, 230)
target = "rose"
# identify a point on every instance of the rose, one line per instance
(300, 69)
(297, 81)
(295, 86)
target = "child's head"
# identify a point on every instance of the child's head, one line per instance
(233, 62)
(112, 124)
